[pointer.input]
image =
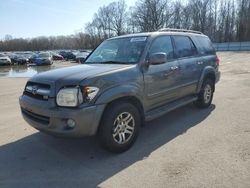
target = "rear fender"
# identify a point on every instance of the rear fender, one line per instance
(206, 71)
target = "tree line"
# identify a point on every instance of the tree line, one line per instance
(221, 20)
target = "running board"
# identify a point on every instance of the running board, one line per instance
(169, 107)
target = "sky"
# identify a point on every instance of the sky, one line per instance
(32, 18)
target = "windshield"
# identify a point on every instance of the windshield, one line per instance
(121, 50)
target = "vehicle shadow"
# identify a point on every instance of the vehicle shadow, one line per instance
(40, 160)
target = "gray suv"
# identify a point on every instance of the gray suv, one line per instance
(125, 81)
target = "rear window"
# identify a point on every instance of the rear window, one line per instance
(184, 46)
(205, 45)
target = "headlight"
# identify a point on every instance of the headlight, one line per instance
(72, 97)
(69, 97)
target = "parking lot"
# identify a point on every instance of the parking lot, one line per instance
(188, 147)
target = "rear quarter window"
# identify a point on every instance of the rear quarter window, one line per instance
(205, 45)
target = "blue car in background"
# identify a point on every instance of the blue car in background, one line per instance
(43, 58)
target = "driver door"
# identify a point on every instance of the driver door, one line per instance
(161, 80)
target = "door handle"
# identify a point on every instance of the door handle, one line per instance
(170, 71)
(200, 62)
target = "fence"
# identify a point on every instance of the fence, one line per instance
(232, 46)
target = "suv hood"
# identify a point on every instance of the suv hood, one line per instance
(75, 74)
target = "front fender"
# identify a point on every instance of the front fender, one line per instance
(207, 70)
(118, 92)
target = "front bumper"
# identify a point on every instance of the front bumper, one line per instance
(53, 120)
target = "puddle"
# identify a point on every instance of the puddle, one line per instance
(22, 71)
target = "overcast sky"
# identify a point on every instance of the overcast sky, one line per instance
(31, 18)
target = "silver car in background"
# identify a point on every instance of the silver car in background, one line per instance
(5, 60)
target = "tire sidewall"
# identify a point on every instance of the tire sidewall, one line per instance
(201, 101)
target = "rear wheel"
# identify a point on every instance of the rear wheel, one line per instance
(119, 127)
(205, 96)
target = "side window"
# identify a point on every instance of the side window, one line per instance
(205, 45)
(184, 46)
(163, 44)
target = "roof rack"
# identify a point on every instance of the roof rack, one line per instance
(179, 30)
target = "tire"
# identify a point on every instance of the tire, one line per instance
(111, 130)
(205, 96)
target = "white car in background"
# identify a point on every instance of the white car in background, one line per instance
(81, 56)
(5, 60)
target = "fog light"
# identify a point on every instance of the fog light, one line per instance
(71, 123)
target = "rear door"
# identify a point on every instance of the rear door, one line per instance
(189, 61)
(161, 80)
(206, 50)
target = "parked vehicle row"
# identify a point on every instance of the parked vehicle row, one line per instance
(42, 58)
(77, 56)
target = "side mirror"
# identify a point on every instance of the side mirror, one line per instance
(157, 58)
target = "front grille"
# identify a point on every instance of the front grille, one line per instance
(36, 117)
(37, 90)
(36, 96)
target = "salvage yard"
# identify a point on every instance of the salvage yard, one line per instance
(188, 147)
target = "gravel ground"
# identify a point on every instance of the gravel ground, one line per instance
(185, 148)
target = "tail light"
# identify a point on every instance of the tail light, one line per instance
(217, 61)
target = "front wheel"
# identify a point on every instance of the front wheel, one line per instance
(119, 127)
(205, 96)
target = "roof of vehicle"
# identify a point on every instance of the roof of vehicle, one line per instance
(133, 35)
(179, 30)
(168, 31)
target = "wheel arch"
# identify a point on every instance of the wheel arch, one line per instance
(123, 93)
(129, 99)
(208, 72)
